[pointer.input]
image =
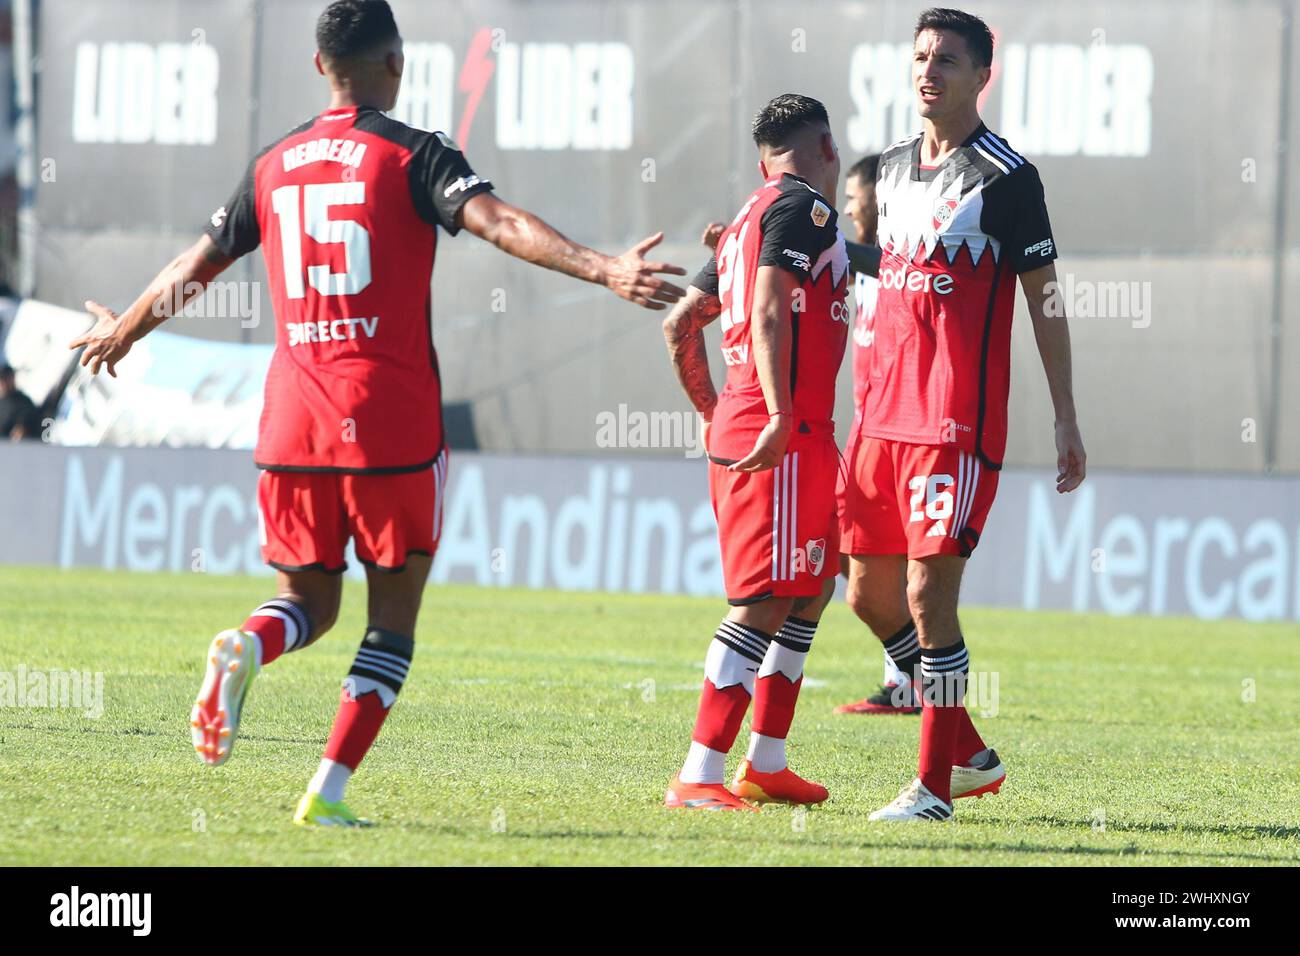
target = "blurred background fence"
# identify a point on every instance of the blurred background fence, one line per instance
(1160, 129)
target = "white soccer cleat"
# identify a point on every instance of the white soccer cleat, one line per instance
(976, 781)
(915, 802)
(214, 720)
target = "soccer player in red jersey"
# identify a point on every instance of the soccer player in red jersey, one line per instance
(347, 208)
(895, 695)
(962, 216)
(777, 283)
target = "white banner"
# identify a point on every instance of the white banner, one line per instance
(1209, 547)
(37, 345)
(174, 391)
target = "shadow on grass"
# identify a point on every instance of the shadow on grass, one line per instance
(170, 731)
(858, 845)
(1221, 829)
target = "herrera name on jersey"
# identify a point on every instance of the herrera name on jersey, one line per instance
(954, 237)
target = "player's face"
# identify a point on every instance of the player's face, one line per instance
(944, 75)
(860, 207)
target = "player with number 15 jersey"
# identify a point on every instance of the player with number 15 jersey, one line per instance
(347, 208)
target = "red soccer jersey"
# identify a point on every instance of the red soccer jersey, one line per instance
(789, 224)
(346, 208)
(865, 290)
(954, 237)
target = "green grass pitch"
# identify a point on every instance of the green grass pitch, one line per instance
(541, 728)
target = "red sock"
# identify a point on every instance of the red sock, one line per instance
(270, 631)
(969, 742)
(280, 625)
(718, 720)
(943, 688)
(376, 677)
(774, 699)
(355, 727)
(939, 730)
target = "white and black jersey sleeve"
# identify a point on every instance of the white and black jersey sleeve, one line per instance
(1015, 214)
(233, 227)
(706, 280)
(442, 181)
(797, 228)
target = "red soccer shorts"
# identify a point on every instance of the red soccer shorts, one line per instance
(306, 517)
(917, 500)
(778, 529)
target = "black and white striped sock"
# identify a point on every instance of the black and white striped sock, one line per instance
(383, 660)
(747, 642)
(943, 674)
(293, 631)
(789, 648)
(904, 650)
(734, 657)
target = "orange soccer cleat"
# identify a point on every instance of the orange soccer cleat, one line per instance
(784, 786)
(703, 796)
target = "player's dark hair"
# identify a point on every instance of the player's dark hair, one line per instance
(976, 33)
(779, 120)
(865, 169)
(350, 28)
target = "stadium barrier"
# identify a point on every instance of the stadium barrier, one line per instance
(1125, 543)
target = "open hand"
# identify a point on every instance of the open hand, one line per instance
(106, 344)
(632, 277)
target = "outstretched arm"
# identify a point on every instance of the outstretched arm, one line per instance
(1052, 333)
(525, 236)
(181, 280)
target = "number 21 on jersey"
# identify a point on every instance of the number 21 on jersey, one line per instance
(731, 277)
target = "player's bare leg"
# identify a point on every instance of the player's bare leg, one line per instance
(877, 593)
(305, 607)
(370, 689)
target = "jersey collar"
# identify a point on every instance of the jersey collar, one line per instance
(347, 112)
(928, 173)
